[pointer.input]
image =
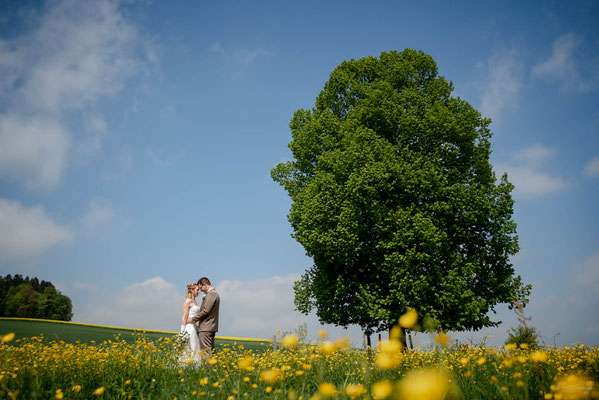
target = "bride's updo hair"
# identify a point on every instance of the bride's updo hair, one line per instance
(189, 291)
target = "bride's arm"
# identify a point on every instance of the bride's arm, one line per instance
(186, 306)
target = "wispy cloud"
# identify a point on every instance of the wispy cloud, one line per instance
(118, 167)
(216, 47)
(239, 56)
(592, 168)
(501, 85)
(524, 170)
(27, 232)
(246, 56)
(77, 53)
(567, 66)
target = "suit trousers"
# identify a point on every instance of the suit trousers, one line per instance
(206, 343)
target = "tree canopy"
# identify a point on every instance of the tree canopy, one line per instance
(29, 298)
(394, 198)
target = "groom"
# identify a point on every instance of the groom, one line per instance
(207, 317)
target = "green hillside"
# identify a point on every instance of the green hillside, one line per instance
(72, 332)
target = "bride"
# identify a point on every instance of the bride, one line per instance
(191, 352)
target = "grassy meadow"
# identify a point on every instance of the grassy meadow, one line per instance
(36, 367)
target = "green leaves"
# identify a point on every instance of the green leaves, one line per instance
(395, 200)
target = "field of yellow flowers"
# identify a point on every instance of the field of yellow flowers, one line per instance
(36, 368)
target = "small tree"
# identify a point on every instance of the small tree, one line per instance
(522, 334)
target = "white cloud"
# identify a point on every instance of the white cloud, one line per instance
(25, 233)
(33, 150)
(592, 168)
(524, 172)
(502, 84)
(565, 66)
(98, 219)
(246, 56)
(587, 273)
(77, 53)
(255, 308)
(536, 154)
(151, 304)
(216, 47)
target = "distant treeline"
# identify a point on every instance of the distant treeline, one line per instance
(30, 298)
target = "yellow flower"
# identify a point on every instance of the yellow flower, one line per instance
(326, 389)
(381, 390)
(278, 331)
(8, 337)
(59, 394)
(327, 348)
(76, 388)
(355, 390)
(322, 334)
(268, 389)
(523, 346)
(270, 376)
(573, 386)
(408, 319)
(290, 341)
(442, 339)
(203, 381)
(511, 346)
(212, 361)
(481, 360)
(231, 398)
(427, 384)
(245, 363)
(538, 356)
(128, 382)
(387, 361)
(342, 342)
(519, 383)
(99, 391)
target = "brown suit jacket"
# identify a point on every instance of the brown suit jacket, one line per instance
(208, 315)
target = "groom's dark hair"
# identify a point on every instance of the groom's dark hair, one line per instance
(204, 281)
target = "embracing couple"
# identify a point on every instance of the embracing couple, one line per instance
(200, 322)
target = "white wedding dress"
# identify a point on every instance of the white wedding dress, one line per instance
(191, 352)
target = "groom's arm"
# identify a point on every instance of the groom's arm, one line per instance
(207, 306)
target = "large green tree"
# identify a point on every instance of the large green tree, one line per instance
(395, 200)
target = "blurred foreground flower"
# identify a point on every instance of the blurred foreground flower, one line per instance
(354, 390)
(389, 355)
(270, 376)
(381, 390)
(290, 341)
(326, 389)
(426, 384)
(572, 387)
(538, 356)
(327, 348)
(442, 338)
(409, 319)
(246, 363)
(8, 337)
(99, 391)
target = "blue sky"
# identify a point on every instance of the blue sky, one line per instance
(137, 138)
